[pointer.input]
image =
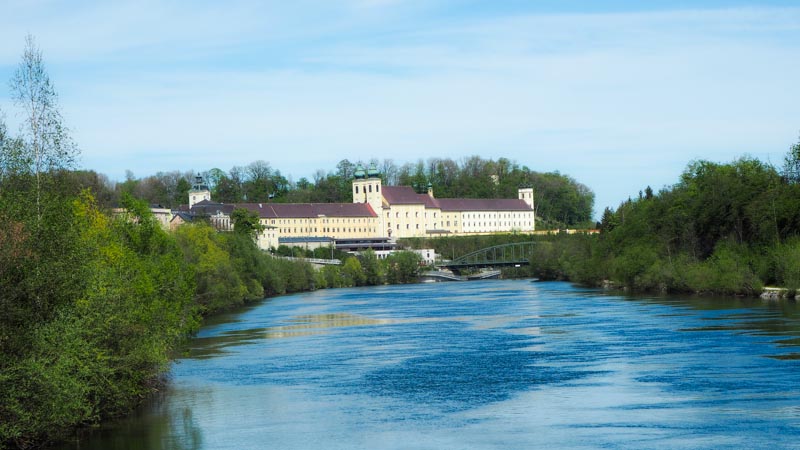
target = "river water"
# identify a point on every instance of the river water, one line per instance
(484, 364)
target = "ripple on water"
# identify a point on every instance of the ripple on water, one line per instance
(500, 364)
(492, 367)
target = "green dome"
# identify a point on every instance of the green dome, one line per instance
(360, 172)
(373, 171)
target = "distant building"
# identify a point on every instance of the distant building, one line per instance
(199, 191)
(162, 215)
(377, 213)
(405, 213)
(296, 220)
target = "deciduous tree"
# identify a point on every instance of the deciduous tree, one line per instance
(47, 144)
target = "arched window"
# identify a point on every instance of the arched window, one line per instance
(356, 189)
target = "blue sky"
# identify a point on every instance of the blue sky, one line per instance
(617, 94)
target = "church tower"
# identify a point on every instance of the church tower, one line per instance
(367, 187)
(199, 191)
(526, 194)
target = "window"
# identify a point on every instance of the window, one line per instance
(370, 188)
(356, 189)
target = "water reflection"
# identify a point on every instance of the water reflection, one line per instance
(306, 325)
(160, 425)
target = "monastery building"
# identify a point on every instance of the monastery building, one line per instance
(377, 211)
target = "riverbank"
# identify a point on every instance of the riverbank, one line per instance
(95, 305)
(722, 229)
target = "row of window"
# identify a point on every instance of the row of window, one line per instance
(498, 216)
(468, 215)
(495, 224)
(377, 188)
(293, 221)
(326, 230)
(416, 214)
(468, 224)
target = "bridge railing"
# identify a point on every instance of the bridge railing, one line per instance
(498, 255)
(324, 262)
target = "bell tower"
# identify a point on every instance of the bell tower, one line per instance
(526, 194)
(367, 187)
(199, 191)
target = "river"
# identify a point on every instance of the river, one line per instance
(484, 364)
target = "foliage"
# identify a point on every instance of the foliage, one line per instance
(723, 228)
(352, 273)
(46, 144)
(246, 222)
(791, 164)
(371, 267)
(218, 284)
(402, 267)
(117, 300)
(94, 303)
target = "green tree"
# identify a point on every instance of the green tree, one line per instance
(373, 273)
(218, 283)
(352, 272)
(246, 222)
(791, 164)
(47, 144)
(402, 267)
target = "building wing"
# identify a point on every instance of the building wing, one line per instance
(482, 204)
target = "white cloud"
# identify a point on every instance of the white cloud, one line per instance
(618, 100)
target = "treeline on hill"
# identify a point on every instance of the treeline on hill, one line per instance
(560, 201)
(723, 228)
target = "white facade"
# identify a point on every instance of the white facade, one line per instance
(403, 213)
(377, 211)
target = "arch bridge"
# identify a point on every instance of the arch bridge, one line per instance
(517, 254)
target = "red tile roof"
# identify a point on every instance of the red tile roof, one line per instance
(482, 204)
(401, 195)
(289, 210)
(405, 195)
(313, 210)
